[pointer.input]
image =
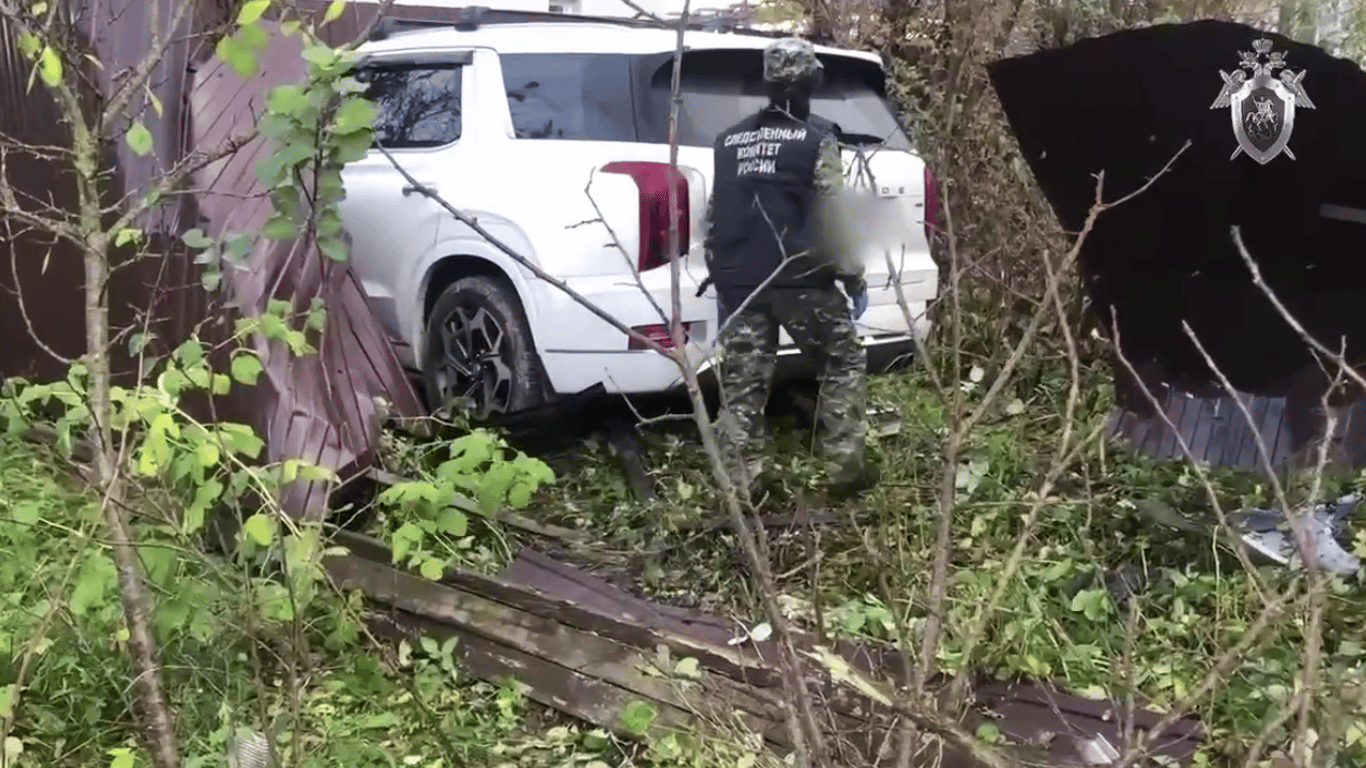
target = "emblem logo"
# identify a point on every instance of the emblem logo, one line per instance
(1261, 103)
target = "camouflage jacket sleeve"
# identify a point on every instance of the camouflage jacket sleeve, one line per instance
(829, 183)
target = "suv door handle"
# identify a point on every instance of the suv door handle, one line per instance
(409, 189)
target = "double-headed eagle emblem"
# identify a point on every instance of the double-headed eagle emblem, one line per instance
(1262, 103)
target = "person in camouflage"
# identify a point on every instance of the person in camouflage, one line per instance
(768, 253)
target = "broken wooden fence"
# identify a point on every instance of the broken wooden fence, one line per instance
(586, 648)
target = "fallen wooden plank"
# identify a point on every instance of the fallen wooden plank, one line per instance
(631, 629)
(1032, 713)
(582, 625)
(519, 636)
(590, 699)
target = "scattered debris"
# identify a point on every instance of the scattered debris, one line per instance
(1269, 532)
(1097, 751)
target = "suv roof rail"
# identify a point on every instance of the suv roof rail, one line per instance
(735, 20)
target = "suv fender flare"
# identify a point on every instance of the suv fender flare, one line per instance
(466, 248)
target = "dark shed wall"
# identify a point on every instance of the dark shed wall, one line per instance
(37, 272)
(43, 278)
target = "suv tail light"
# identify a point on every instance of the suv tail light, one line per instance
(931, 205)
(660, 334)
(652, 181)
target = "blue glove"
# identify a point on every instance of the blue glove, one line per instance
(860, 304)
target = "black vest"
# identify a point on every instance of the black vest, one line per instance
(764, 184)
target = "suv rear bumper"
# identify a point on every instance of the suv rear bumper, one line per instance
(571, 340)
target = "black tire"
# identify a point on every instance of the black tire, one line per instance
(494, 363)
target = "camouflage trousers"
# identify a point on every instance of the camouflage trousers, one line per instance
(818, 322)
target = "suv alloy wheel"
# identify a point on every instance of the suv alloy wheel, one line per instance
(478, 346)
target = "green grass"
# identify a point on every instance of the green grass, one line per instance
(1055, 620)
(356, 710)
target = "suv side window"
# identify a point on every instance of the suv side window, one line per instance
(416, 105)
(583, 96)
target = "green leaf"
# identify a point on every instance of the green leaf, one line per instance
(378, 721)
(139, 138)
(1094, 604)
(494, 487)
(126, 235)
(28, 43)
(320, 55)
(280, 228)
(238, 438)
(334, 10)
(246, 367)
(251, 11)
(154, 453)
(208, 454)
(353, 146)
(189, 352)
(329, 223)
(204, 495)
(274, 601)
(403, 540)
(286, 99)
(520, 495)
(237, 55)
(261, 528)
(91, 584)
(453, 522)
(637, 717)
(6, 701)
(989, 732)
(195, 238)
(432, 569)
(354, 115)
(27, 513)
(333, 248)
(50, 66)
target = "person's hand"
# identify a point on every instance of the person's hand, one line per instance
(860, 303)
(857, 291)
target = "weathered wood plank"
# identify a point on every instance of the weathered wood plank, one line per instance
(527, 635)
(570, 622)
(627, 629)
(588, 698)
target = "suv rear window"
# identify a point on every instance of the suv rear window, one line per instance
(722, 87)
(583, 96)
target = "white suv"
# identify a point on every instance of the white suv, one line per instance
(552, 132)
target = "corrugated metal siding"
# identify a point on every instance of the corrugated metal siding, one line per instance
(43, 277)
(1217, 431)
(320, 408)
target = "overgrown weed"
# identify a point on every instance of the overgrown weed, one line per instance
(1062, 617)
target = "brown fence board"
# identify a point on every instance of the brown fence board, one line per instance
(583, 605)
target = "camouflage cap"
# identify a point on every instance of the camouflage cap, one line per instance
(789, 59)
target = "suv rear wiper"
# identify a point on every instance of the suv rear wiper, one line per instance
(859, 139)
